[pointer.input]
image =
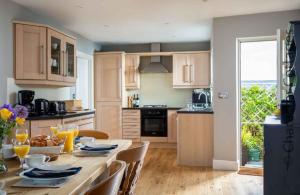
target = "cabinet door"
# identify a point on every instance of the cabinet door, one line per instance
(200, 69)
(109, 118)
(181, 70)
(132, 75)
(55, 55)
(70, 69)
(30, 52)
(172, 126)
(108, 77)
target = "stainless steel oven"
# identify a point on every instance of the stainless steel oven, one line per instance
(154, 122)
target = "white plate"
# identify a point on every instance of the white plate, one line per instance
(96, 152)
(40, 179)
(49, 167)
(95, 145)
(47, 149)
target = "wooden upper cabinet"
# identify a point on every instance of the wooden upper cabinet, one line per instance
(55, 56)
(132, 75)
(30, 52)
(70, 67)
(200, 69)
(108, 76)
(44, 56)
(181, 70)
(191, 70)
(109, 118)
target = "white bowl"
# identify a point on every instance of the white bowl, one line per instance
(86, 140)
(46, 150)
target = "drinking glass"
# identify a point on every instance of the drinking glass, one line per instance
(68, 135)
(21, 135)
(21, 149)
(54, 130)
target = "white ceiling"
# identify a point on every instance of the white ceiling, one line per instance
(144, 21)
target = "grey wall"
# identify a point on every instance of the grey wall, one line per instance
(10, 11)
(225, 32)
(132, 48)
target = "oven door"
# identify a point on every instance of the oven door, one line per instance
(154, 127)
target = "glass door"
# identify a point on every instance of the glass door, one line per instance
(55, 55)
(70, 60)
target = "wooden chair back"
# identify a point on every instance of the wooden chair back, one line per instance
(134, 157)
(111, 185)
(93, 133)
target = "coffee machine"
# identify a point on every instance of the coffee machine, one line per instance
(25, 98)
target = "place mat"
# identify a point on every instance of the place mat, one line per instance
(40, 173)
(29, 183)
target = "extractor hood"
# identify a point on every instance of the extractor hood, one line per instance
(155, 65)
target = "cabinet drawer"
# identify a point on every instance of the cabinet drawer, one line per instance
(133, 139)
(127, 132)
(131, 113)
(45, 123)
(87, 126)
(87, 121)
(131, 119)
(131, 126)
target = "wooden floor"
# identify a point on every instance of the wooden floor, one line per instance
(161, 176)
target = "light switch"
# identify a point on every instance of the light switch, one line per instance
(223, 95)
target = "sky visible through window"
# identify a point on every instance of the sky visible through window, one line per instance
(258, 61)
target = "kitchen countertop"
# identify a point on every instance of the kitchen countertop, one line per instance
(61, 116)
(195, 111)
(138, 108)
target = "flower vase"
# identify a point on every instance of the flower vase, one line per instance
(3, 167)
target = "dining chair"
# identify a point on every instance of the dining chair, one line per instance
(93, 133)
(134, 157)
(111, 185)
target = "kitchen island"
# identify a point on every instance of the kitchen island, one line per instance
(195, 138)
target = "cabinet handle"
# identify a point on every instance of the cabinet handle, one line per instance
(42, 59)
(184, 73)
(63, 60)
(191, 74)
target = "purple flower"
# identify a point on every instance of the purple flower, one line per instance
(21, 111)
(10, 108)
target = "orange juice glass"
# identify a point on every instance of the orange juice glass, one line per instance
(21, 135)
(69, 143)
(21, 149)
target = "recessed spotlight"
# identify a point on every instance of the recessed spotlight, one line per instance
(204, 0)
(106, 25)
(167, 23)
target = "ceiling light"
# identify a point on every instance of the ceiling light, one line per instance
(167, 23)
(79, 6)
(106, 25)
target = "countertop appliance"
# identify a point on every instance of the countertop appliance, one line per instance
(41, 106)
(57, 107)
(154, 121)
(25, 98)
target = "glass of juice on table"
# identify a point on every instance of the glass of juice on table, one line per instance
(21, 135)
(21, 149)
(67, 134)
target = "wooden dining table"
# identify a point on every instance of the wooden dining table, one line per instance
(92, 167)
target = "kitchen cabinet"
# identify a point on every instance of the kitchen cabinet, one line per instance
(109, 118)
(172, 126)
(191, 70)
(62, 57)
(195, 139)
(108, 76)
(30, 52)
(44, 56)
(132, 75)
(131, 125)
(42, 127)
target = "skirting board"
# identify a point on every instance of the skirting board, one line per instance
(226, 165)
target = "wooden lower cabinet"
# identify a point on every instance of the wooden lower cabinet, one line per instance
(195, 139)
(172, 126)
(109, 118)
(42, 127)
(131, 125)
